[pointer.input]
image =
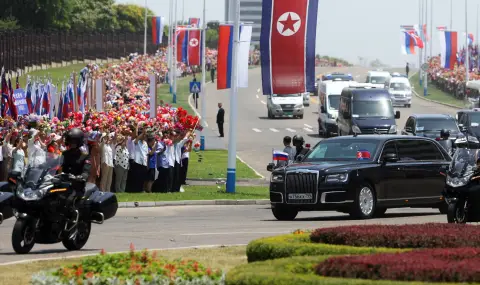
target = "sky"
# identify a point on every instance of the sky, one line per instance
(351, 29)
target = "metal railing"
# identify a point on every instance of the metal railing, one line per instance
(26, 48)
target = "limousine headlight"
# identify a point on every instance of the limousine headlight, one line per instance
(458, 182)
(337, 178)
(276, 178)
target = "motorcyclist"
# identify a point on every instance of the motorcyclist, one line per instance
(77, 163)
(298, 142)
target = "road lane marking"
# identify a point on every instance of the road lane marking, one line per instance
(274, 130)
(357, 76)
(257, 96)
(308, 130)
(235, 233)
(290, 130)
(256, 130)
(308, 126)
(258, 90)
(263, 102)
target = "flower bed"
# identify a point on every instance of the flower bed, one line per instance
(437, 265)
(131, 268)
(402, 236)
(300, 245)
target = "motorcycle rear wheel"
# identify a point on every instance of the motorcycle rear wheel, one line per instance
(81, 238)
(456, 213)
(23, 236)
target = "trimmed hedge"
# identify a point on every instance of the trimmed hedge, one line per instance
(297, 270)
(300, 245)
(429, 235)
(437, 265)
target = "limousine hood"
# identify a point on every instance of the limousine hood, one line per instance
(328, 166)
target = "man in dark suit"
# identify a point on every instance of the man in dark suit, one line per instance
(220, 119)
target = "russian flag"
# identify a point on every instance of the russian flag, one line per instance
(287, 46)
(407, 43)
(280, 156)
(181, 44)
(29, 98)
(449, 48)
(194, 48)
(157, 29)
(225, 56)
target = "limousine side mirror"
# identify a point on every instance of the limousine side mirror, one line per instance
(270, 167)
(397, 115)
(408, 130)
(390, 157)
(322, 109)
(299, 158)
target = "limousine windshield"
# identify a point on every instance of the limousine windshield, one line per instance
(343, 150)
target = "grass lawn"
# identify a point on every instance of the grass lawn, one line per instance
(183, 92)
(435, 94)
(214, 165)
(58, 74)
(199, 193)
(223, 258)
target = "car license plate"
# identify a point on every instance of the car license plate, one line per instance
(303, 196)
(288, 113)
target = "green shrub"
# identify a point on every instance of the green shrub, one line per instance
(300, 245)
(297, 270)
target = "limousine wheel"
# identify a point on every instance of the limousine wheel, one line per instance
(365, 203)
(284, 214)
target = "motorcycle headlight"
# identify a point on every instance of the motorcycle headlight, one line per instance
(458, 182)
(337, 178)
(393, 129)
(276, 178)
(356, 129)
(28, 194)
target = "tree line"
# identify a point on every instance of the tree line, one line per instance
(82, 16)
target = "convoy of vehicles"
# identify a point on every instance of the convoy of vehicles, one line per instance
(285, 105)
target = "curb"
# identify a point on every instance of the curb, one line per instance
(192, 203)
(433, 101)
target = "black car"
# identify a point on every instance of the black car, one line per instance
(430, 125)
(469, 121)
(363, 176)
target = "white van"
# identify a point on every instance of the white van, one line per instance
(378, 78)
(328, 104)
(401, 91)
(285, 105)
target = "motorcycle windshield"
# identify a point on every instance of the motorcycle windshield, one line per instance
(464, 162)
(37, 175)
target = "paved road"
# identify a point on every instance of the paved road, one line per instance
(258, 135)
(171, 227)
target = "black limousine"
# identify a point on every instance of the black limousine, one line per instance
(362, 176)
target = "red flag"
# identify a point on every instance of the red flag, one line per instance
(194, 48)
(287, 46)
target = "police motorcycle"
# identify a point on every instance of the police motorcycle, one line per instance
(462, 189)
(49, 210)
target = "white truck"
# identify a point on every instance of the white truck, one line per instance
(328, 104)
(285, 105)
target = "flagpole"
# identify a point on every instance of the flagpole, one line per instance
(232, 133)
(425, 74)
(420, 77)
(145, 31)
(431, 28)
(170, 44)
(451, 15)
(203, 93)
(467, 54)
(174, 100)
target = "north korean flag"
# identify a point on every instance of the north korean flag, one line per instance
(194, 49)
(287, 46)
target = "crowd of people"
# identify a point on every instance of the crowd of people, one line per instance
(452, 81)
(129, 150)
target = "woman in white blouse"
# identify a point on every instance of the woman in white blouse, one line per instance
(18, 156)
(122, 157)
(106, 172)
(7, 151)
